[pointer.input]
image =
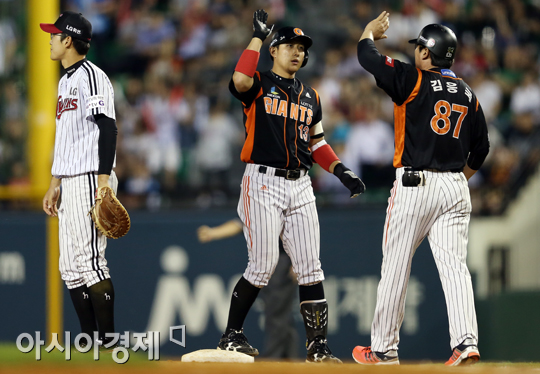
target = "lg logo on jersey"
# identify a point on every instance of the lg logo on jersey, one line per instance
(64, 105)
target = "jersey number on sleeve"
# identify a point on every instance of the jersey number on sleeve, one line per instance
(443, 112)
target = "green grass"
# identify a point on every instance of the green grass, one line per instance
(10, 355)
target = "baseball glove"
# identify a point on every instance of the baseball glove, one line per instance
(109, 215)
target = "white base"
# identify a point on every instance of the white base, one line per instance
(216, 355)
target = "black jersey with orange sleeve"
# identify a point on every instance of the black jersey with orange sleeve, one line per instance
(278, 114)
(438, 122)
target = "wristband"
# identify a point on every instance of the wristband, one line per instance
(339, 169)
(247, 64)
(259, 34)
(324, 155)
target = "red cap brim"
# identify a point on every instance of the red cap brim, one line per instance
(50, 28)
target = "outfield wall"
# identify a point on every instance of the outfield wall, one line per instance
(516, 235)
(164, 277)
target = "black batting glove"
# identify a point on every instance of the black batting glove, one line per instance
(349, 180)
(260, 29)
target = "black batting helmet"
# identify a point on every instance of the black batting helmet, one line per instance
(439, 39)
(286, 34)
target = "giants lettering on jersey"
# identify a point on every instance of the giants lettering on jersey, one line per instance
(64, 105)
(279, 107)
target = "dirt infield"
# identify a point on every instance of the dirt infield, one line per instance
(176, 367)
(13, 361)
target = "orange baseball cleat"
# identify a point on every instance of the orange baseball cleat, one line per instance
(469, 355)
(365, 356)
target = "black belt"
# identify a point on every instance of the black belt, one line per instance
(285, 173)
(415, 177)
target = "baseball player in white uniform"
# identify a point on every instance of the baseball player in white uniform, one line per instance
(441, 140)
(84, 155)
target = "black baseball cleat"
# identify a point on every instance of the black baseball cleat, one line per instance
(318, 351)
(236, 341)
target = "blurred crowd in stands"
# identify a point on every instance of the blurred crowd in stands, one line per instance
(181, 132)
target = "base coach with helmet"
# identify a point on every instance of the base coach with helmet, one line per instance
(284, 135)
(441, 140)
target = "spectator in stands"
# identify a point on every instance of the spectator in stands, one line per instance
(369, 149)
(184, 51)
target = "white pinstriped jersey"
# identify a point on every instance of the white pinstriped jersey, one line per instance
(84, 91)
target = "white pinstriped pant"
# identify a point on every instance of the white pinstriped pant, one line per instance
(441, 211)
(272, 207)
(82, 246)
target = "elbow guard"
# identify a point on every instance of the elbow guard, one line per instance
(324, 155)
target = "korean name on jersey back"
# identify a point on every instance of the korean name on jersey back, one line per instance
(451, 87)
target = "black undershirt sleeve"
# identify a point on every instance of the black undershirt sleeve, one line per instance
(368, 55)
(106, 142)
(480, 141)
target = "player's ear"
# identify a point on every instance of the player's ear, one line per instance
(273, 52)
(425, 54)
(68, 41)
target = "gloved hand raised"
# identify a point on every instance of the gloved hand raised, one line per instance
(260, 29)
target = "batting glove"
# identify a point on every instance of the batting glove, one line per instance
(260, 29)
(349, 180)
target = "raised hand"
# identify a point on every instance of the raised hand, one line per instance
(260, 29)
(375, 30)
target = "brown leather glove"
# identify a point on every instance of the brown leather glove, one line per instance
(109, 215)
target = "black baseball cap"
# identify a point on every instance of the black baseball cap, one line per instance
(72, 24)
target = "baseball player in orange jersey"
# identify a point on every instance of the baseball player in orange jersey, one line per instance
(84, 156)
(284, 134)
(441, 140)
